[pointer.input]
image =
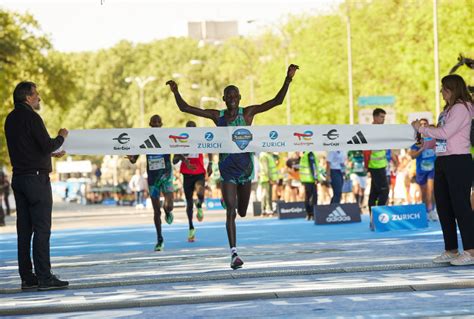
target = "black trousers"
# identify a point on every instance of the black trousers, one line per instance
(34, 203)
(452, 187)
(378, 187)
(310, 197)
(337, 182)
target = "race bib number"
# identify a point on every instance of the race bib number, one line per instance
(358, 167)
(193, 156)
(155, 164)
(427, 166)
(441, 146)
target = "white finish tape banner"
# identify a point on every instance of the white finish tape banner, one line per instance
(238, 139)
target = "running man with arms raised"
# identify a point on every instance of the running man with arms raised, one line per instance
(236, 169)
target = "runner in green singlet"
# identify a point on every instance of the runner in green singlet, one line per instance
(236, 169)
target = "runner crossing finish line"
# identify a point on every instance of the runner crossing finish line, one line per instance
(238, 139)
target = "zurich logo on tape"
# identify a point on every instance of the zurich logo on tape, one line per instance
(387, 218)
(242, 138)
(209, 136)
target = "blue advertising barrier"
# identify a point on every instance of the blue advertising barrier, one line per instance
(291, 210)
(336, 214)
(387, 218)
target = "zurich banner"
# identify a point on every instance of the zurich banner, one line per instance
(336, 214)
(213, 203)
(387, 218)
(185, 140)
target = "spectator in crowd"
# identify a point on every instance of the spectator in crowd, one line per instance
(335, 166)
(277, 188)
(5, 189)
(391, 173)
(97, 174)
(293, 183)
(214, 180)
(404, 177)
(324, 195)
(358, 175)
(309, 178)
(3, 185)
(453, 170)
(377, 164)
(138, 186)
(425, 162)
(178, 189)
(268, 177)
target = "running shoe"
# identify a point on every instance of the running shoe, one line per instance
(160, 246)
(463, 259)
(191, 235)
(445, 257)
(200, 214)
(236, 262)
(169, 218)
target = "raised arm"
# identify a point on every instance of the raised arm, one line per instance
(185, 107)
(461, 61)
(278, 99)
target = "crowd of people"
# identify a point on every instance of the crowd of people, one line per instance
(442, 154)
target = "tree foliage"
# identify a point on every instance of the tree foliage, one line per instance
(392, 54)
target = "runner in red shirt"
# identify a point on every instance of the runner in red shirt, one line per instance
(194, 176)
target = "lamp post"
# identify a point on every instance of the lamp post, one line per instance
(436, 57)
(285, 45)
(349, 64)
(141, 82)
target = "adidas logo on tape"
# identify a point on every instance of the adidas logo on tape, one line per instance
(359, 138)
(338, 215)
(151, 142)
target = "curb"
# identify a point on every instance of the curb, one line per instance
(29, 310)
(242, 275)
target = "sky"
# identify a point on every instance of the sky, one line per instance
(95, 24)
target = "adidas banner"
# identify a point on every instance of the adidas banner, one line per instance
(337, 214)
(238, 139)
